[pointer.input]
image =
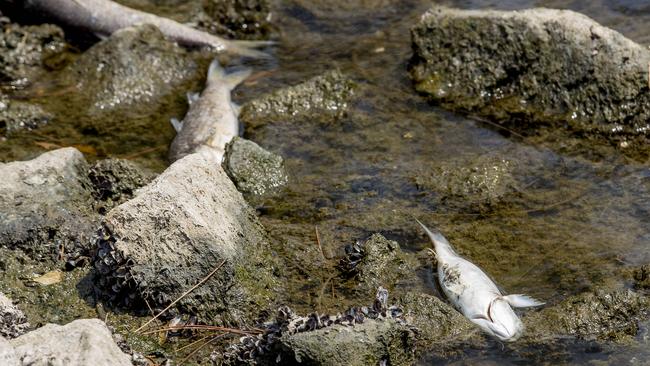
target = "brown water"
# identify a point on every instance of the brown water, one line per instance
(576, 217)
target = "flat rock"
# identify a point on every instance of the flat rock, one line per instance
(12, 321)
(537, 67)
(254, 170)
(175, 231)
(81, 342)
(46, 205)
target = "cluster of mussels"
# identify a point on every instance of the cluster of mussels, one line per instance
(253, 347)
(354, 254)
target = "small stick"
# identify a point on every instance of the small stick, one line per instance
(204, 327)
(200, 347)
(320, 248)
(182, 296)
(193, 343)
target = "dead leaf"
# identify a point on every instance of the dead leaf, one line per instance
(86, 149)
(47, 145)
(49, 278)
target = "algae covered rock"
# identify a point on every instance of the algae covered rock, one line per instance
(17, 115)
(605, 315)
(254, 170)
(25, 49)
(46, 205)
(379, 262)
(369, 343)
(12, 321)
(81, 342)
(183, 225)
(477, 183)
(238, 19)
(440, 327)
(134, 67)
(322, 96)
(537, 66)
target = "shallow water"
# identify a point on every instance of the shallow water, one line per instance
(575, 217)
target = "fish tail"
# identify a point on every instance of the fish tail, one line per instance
(249, 48)
(440, 243)
(217, 73)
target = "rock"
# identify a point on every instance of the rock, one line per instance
(477, 183)
(81, 342)
(7, 354)
(46, 205)
(605, 315)
(134, 67)
(18, 115)
(641, 276)
(116, 180)
(324, 95)
(440, 327)
(380, 262)
(254, 170)
(537, 66)
(24, 49)
(175, 231)
(237, 19)
(12, 321)
(369, 343)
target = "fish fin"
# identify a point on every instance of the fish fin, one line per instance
(192, 97)
(235, 108)
(249, 48)
(216, 72)
(439, 241)
(178, 125)
(521, 301)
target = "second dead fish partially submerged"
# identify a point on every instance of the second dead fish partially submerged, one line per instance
(211, 121)
(475, 295)
(104, 17)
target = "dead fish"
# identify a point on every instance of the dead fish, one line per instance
(104, 17)
(211, 121)
(475, 295)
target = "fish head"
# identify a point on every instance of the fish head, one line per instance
(501, 321)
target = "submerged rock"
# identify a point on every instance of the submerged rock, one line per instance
(379, 262)
(641, 276)
(17, 115)
(46, 205)
(12, 321)
(24, 49)
(537, 66)
(134, 67)
(322, 96)
(175, 231)
(116, 180)
(476, 183)
(605, 315)
(254, 170)
(81, 342)
(237, 19)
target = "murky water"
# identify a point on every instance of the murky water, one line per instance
(573, 219)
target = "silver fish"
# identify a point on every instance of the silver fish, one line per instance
(104, 17)
(475, 295)
(211, 121)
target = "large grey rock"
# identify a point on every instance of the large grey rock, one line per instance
(46, 205)
(7, 354)
(254, 171)
(174, 232)
(322, 96)
(368, 343)
(135, 67)
(81, 342)
(537, 66)
(12, 321)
